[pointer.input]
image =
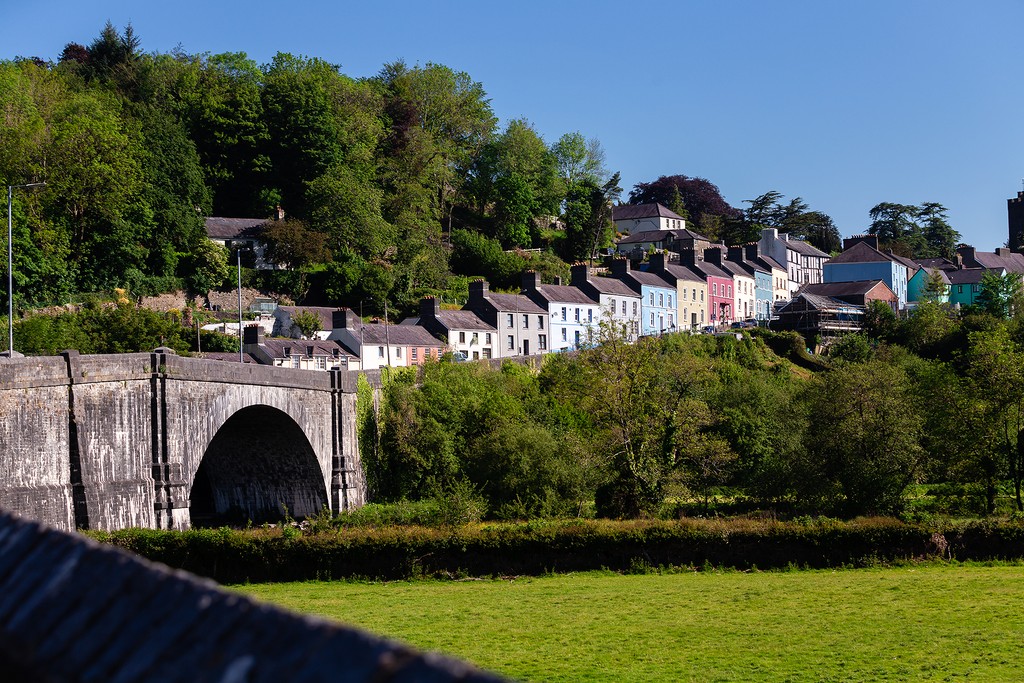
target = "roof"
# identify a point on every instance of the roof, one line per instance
(233, 228)
(969, 276)
(675, 272)
(1011, 262)
(861, 252)
(654, 236)
(707, 268)
(520, 303)
(821, 302)
(611, 285)
(841, 289)
(276, 347)
(564, 294)
(943, 275)
(805, 248)
(634, 211)
(644, 277)
(941, 263)
(457, 320)
(736, 268)
(395, 335)
(768, 262)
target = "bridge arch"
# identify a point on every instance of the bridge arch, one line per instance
(258, 463)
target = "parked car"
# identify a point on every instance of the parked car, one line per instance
(708, 329)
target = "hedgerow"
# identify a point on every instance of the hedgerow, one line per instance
(539, 547)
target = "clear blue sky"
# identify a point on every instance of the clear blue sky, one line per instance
(844, 104)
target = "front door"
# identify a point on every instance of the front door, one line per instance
(526, 347)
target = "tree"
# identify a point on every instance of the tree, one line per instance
(308, 322)
(940, 239)
(292, 244)
(867, 441)
(767, 211)
(1001, 295)
(579, 160)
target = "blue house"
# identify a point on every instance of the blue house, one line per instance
(861, 260)
(658, 312)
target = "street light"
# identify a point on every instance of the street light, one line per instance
(241, 358)
(10, 267)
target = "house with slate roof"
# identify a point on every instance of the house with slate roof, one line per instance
(245, 234)
(574, 316)
(780, 277)
(521, 324)
(619, 302)
(861, 260)
(305, 354)
(719, 286)
(763, 295)
(804, 263)
(1002, 258)
(378, 345)
(464, 331)
(631, 219)
(965, 284)
(658, 313)
(743, 283)
(691, 291)
(860, 293)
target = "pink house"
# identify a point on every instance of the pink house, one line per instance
(720, 286)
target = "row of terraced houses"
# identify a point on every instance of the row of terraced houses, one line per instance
(682, 283)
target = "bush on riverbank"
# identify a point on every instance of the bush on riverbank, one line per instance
(393, 552)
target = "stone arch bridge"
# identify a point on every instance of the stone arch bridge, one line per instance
(159, 441)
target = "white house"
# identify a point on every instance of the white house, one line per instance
(632, 219)
(465, 331)
(574, 317)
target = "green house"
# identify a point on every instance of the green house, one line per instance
(917, 284)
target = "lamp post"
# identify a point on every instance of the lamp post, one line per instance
(10, 266)
(241, 357)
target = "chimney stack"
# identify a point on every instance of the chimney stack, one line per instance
(429, 308)
(620, 267)
(713, 255)
(531, 281)
(252, 334)
(580, 274)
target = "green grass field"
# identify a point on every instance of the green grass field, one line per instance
(926, 623)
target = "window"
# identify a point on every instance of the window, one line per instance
(542, 342)
(563, 313)
(670, 301)
(975, 288)
(511, 342)
(415, 354)
(380, 351)
(652, 298)
(540, 322)
(486, 353)
(510, 320)
(635, 304)
(661, 299)
(526, 322)
(611, 303)
(652, 319)
(563, 334)
(487, 337)
(577, 342)
(462, 337)
(623, 308)
(959, 289)
(476, 355)
(702, 297)
(684, 294)
(474, 340)
(670, 324)
(577, 315)
(398, 352)
(714, 289)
